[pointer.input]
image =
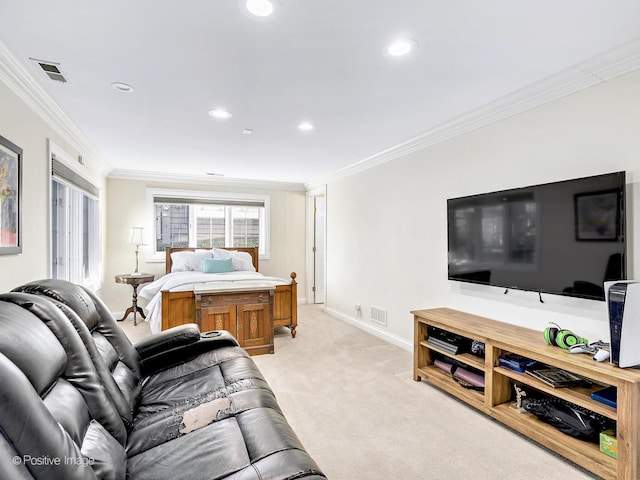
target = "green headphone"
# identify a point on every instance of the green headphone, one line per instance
(554, 335)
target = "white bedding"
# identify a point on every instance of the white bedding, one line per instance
(183, 282)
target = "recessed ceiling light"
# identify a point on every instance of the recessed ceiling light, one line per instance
(306, 126)
(220, 113)
(247, 131)
(401, 47)
(260, 8)
(122, 87)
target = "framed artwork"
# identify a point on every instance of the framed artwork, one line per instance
(10, 198)
(597, 216)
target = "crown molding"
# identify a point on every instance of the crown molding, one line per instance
(174, 178)
(601, 68)
(21, 83)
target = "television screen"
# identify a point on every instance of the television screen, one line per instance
(564, 238)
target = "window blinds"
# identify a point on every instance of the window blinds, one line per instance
(207, 201)
(64, 173)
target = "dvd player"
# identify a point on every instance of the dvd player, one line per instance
(443, 345)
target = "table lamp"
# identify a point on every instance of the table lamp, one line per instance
(136, 238)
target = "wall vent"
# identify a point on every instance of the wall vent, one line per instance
(379, 315)
(52, 70)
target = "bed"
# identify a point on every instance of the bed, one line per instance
(172, 299)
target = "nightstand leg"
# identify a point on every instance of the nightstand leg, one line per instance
(134, 304)
(134, 308)
(126, 314)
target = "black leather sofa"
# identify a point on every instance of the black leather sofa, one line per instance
(79, 401)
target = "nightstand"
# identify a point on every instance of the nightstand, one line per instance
(134, 281)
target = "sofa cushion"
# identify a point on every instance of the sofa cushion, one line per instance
(109, 340)
(40, 357)
(101, 393)
(257, 444)
(51, 414)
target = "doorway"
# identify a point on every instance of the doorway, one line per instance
(318, 250)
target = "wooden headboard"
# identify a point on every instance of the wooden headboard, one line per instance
(253, 251)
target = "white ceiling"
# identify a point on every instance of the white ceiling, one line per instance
(321, 61)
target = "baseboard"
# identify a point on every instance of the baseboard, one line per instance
(372, 329)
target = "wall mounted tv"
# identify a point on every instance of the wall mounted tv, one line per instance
(564, 238)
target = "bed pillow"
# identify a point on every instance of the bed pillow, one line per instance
(218, 265)
(221, 253)
(242, 261)
(181, 261)
(197, 260)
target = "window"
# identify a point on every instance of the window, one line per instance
(75, 247)
(207, 219)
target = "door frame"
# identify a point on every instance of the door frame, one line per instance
(311, 195)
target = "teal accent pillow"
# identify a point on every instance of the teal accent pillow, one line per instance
(214, 265)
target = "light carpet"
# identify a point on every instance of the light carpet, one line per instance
(352, 401)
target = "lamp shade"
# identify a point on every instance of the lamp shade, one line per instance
(136, 236)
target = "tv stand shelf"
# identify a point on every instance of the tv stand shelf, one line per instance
(501, 338)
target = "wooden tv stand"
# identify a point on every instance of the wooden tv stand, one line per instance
(501, 338)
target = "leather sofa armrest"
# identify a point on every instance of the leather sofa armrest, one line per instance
(177, 344)
(168, 339)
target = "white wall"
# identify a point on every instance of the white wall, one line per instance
(22, 126)
(128, 207)
(386, 226)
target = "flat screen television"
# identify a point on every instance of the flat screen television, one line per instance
(564, 238)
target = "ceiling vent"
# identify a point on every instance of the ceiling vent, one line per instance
(52, 70)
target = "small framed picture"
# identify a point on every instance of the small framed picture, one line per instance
(597, 216)
(10, 198)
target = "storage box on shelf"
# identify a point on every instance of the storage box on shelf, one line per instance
(500, 339)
